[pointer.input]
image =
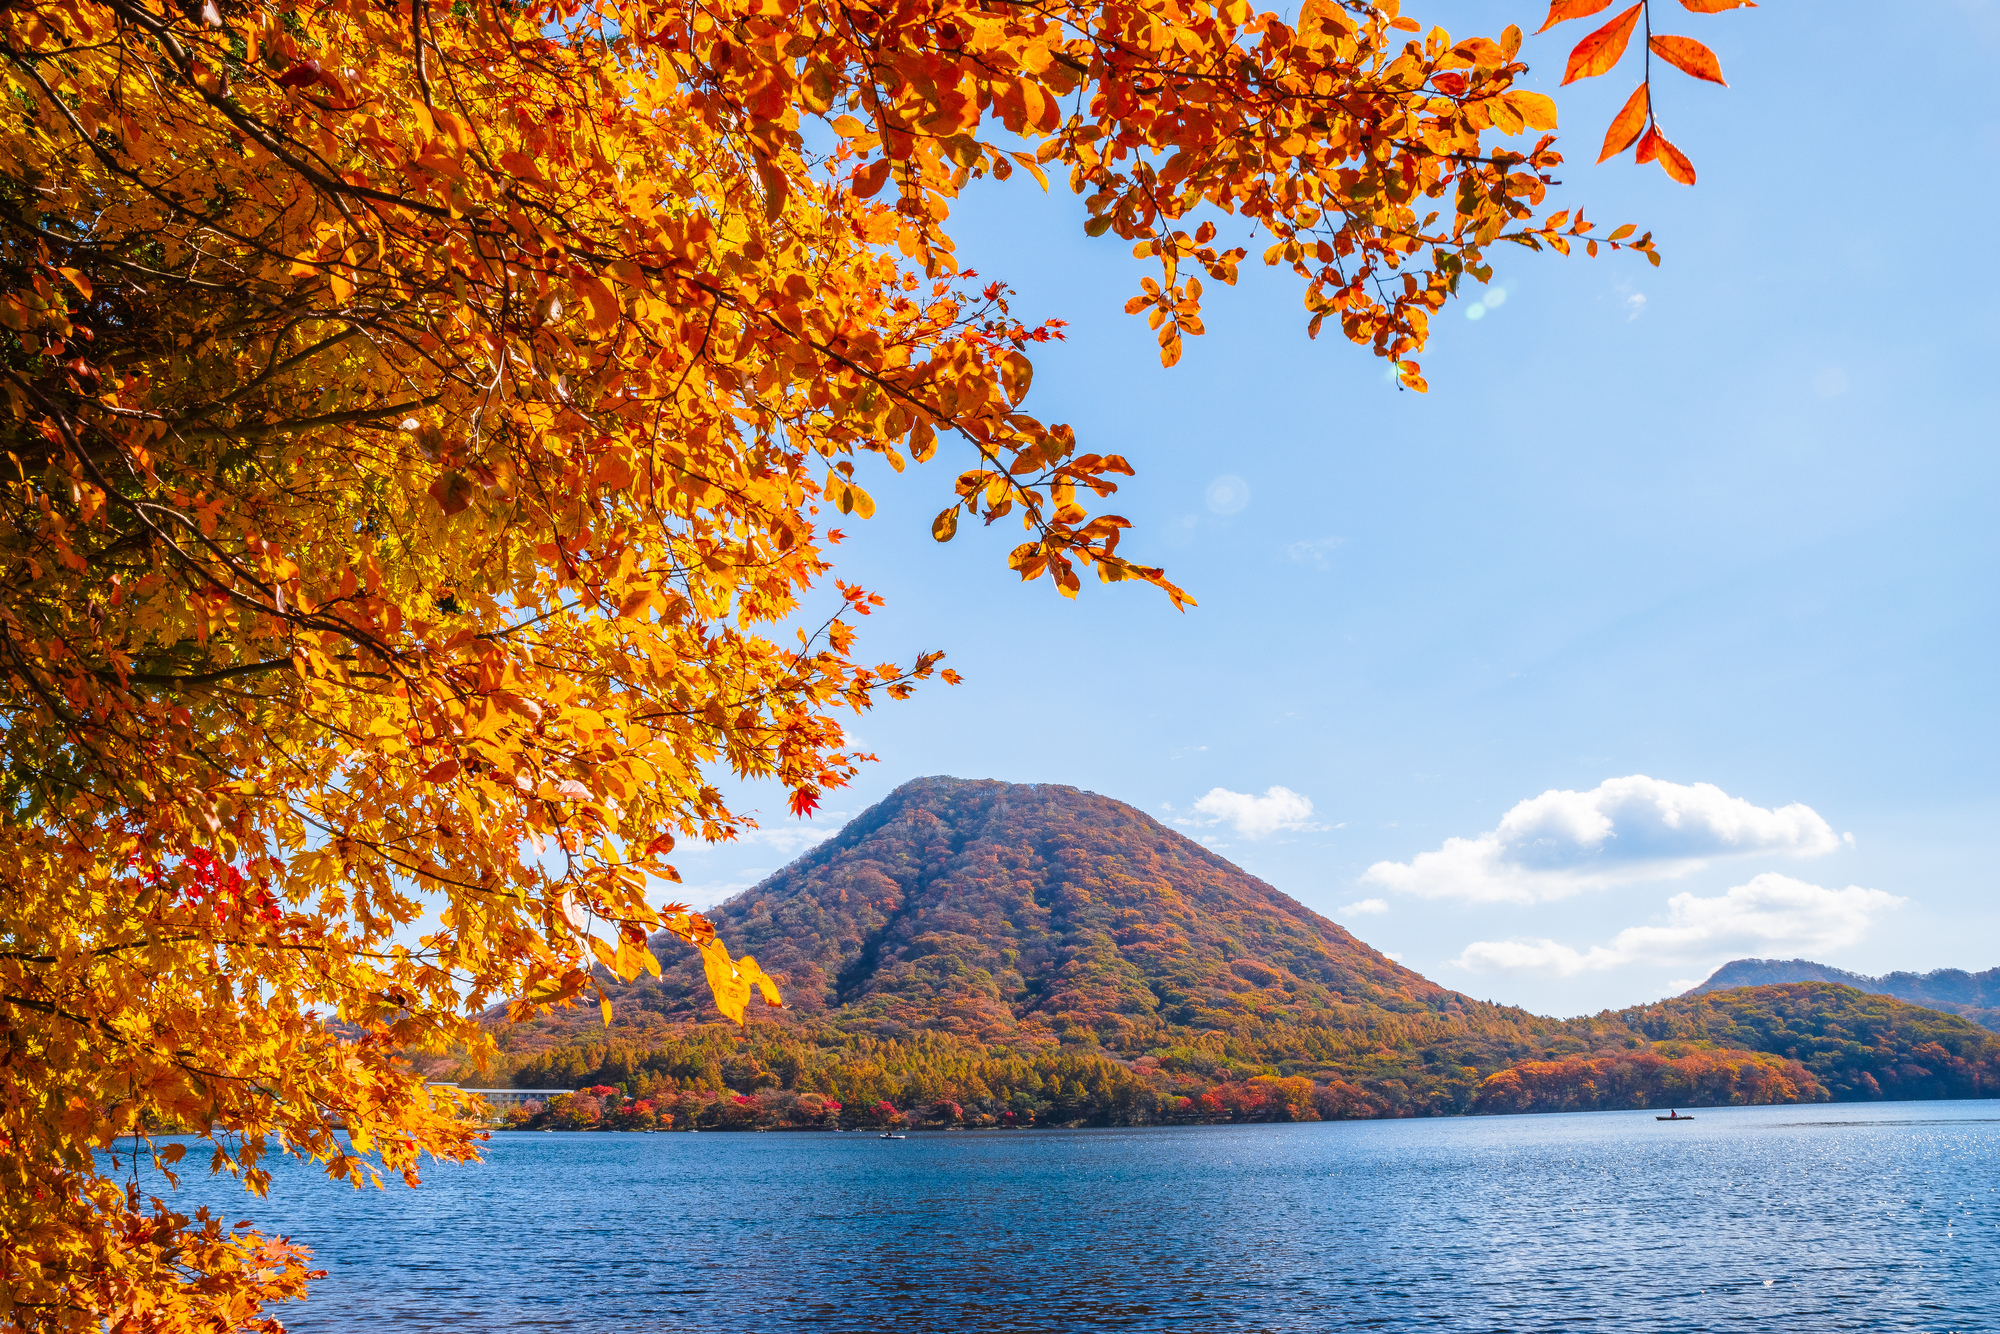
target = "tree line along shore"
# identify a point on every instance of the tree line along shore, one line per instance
(1808, 1042)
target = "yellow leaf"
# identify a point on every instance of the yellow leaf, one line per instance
(731, 982)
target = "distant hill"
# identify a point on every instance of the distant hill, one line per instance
(1001, 912)
(1030, 953)
(1860, 1046)
(1975, 996)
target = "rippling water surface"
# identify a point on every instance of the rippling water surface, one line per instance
(1873, 1217)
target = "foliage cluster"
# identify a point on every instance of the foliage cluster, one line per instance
(1669, 1075)
(767, 1069)
(770, 1064)
(936, 1082)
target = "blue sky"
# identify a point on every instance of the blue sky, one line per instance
(1729, 522)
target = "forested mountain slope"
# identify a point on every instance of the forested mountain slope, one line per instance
(1861, 1046)
(1003, 912)
(1975, 996)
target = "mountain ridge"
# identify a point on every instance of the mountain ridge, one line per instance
(1973, 996)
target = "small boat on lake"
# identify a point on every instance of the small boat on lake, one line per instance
(1673, 1115)
(886, 1135)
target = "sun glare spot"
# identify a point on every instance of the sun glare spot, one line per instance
(1228, 494)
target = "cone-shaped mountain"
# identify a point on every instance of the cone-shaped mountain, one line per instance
(1000, 910)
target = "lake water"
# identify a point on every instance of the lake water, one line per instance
(1872, 1217)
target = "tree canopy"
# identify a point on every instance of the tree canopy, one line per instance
(1787, 1043)
(424, 430)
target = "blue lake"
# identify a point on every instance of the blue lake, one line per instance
(1852, 1217)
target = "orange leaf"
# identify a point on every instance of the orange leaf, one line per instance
(776, 187)
(1649, 147)
(1676, 162)
(1483, 51)
(1717, 6)
(452, 492)
(1626, 126)
(1538, 109)
(869, 179)
(1689, 57)
(1602, 49)
(1562, 11)
(1312, 12)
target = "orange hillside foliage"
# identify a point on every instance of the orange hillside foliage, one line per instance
(1696, 1078)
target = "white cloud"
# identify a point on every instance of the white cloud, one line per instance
(792, 839)
(706, 896)
(1253, 817)
(1313, 553)
(1623, 830)
(1366, 906)
(1772, 915)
